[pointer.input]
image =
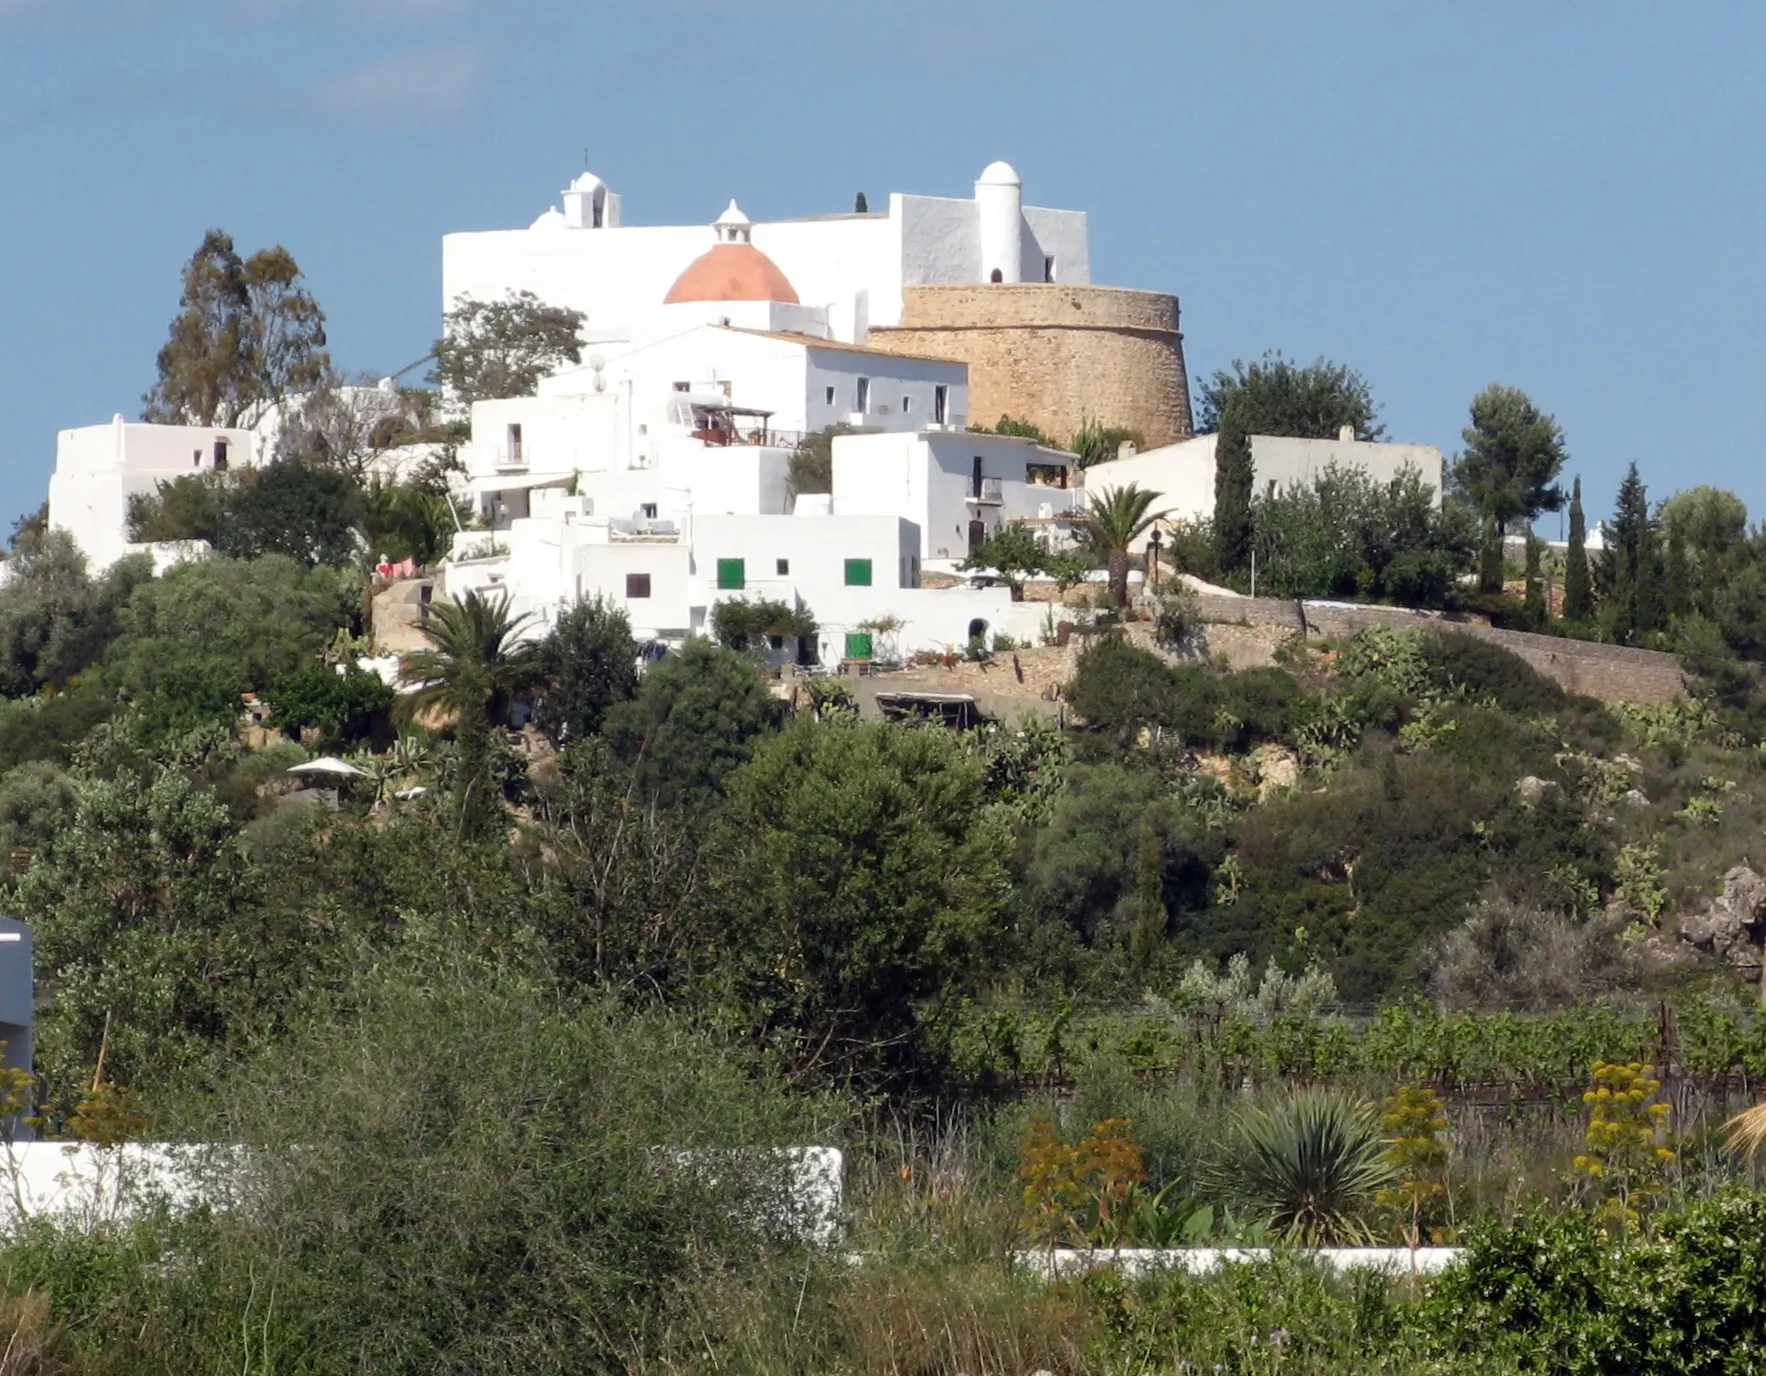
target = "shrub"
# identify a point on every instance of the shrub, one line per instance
(1509, 954)
(1120, 688)
(1482, 670)
(1312, 1165)
(470, 1174)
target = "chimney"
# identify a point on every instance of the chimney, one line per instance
(1346, 434)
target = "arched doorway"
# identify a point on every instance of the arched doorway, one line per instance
(998, 276)
(978, 631)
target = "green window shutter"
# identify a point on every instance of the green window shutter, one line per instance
(858, 573)
(732, 575)
(858, 644)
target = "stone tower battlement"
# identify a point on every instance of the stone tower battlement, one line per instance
(1055, 354)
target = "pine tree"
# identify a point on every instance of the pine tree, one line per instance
(1233, 478)
(1149, 889)
(1577, 604)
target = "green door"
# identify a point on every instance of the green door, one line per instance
(858, 644)
(732, 575)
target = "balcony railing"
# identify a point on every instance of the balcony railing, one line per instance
(985, 493)
(769, 438)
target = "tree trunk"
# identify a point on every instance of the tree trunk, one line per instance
(1119, 577)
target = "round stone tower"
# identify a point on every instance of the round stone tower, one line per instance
(1054, 354)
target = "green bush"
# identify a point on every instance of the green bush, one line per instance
(1551, 1293)
(345, 706)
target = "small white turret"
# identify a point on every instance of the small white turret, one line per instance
(733, 226)
(588, 204)
(999, 201)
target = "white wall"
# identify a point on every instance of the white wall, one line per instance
(667, 613)
(99, 467)
(1282, 460)
(894, 380)
(1182, 474)
(928, 478)
(1059, 234)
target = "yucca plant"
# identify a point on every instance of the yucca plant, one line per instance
(1311, 1166)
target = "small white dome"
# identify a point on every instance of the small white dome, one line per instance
(999, 174)
(587, 182)
(733, 215)
(552, 219)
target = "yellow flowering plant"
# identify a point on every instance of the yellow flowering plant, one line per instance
(1625, 1155)
(1415, 1123)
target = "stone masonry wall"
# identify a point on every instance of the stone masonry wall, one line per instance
(1055, 355)
(1612, 673)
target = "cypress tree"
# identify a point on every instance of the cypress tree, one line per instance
(1490, 558)
(1633, 557)
(1534, 604)
(1577, 604)
(1677, 585)
(1233, 477)
(1149, 885)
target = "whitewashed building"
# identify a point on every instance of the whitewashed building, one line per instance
(98, 468)
(846, 271)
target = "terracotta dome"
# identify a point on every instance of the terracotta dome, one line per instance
(732, 272)
(733, 269)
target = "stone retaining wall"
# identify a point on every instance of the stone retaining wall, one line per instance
(1612, 673)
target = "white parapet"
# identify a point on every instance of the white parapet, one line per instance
(1141, 1261)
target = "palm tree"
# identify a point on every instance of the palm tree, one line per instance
(471, 671)
(1115, 518)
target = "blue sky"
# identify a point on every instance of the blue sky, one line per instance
(1567, 197)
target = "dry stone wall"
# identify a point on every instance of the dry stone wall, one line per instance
(1612, 673)
(1056, 355)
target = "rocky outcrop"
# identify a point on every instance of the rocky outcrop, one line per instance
(1731, 925)
(1533, 789)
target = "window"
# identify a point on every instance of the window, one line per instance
(220, 456)
(783, 566)
(864, 395)
(776, 641)
(196, 459)
(830, 396)
(858, 644)
(515, 443)
(637, 585)
(975, 477)
(940, 404)
(907, 404)
(683, 386)
(858, 573)
(649, 510)
(1048, 269)
(732, 575)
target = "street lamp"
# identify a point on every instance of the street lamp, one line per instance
(1153, 544)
